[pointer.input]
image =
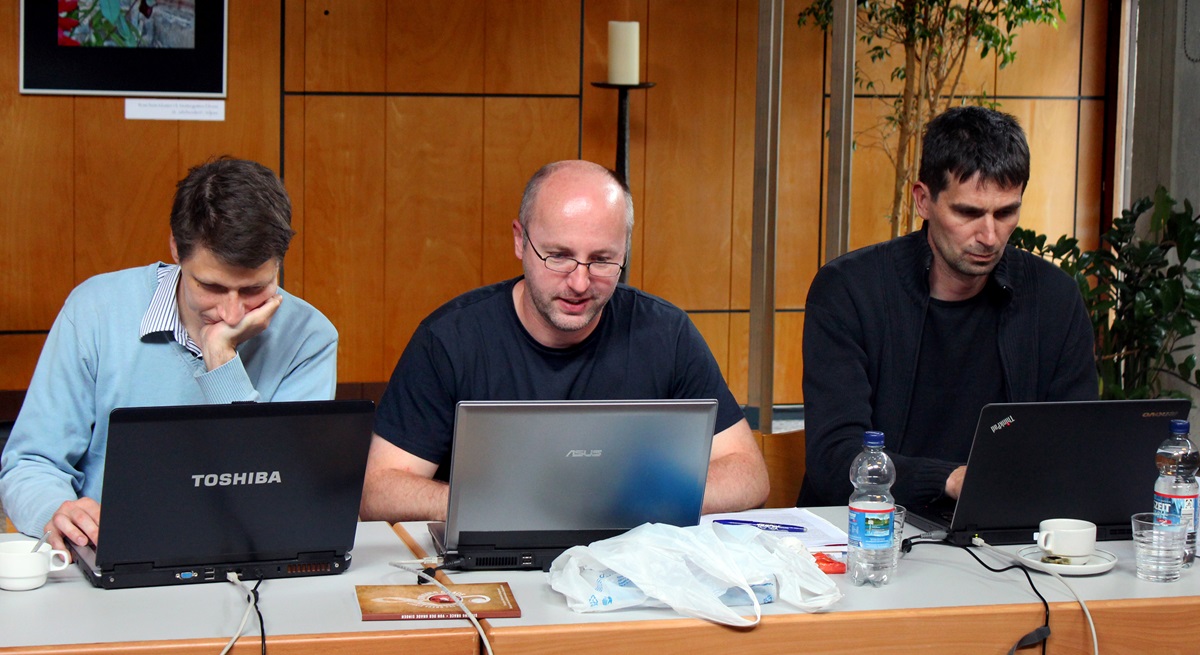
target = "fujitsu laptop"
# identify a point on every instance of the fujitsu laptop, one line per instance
(267, 490)
(1090, 460)
(529, 479)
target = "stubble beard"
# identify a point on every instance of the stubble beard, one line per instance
(544, 304)
(963, 266)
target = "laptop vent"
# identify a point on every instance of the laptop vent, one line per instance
(497, 562)
(308, 569)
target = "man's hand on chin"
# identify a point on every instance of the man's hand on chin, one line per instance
(219, 341)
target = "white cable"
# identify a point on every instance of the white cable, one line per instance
(233, 577)
(424, 563)
(457, 601)
(1036, 566)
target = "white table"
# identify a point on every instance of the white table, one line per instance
(940, 600)
(302, 615)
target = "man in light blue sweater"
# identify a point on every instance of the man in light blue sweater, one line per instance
(191, 333)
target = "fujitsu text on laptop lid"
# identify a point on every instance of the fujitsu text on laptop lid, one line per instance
(529, 479)
(267, 490)
(1089, 460)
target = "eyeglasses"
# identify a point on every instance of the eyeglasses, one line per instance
(568, 264)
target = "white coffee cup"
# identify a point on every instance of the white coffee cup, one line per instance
(1066, 541)
(22, 569)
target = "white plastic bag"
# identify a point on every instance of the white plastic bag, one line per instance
(699, 571)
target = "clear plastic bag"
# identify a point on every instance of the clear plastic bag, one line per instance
(700, 571)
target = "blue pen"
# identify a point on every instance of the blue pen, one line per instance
(763, 525)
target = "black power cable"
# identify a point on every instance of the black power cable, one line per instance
(1039, 635)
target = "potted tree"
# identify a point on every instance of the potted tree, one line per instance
(932, 40)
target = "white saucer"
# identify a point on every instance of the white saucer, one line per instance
(1101, 561)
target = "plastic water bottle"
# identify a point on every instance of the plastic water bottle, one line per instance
(1176, 488)
(871, 558)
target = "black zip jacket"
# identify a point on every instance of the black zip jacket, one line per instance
(862, 333)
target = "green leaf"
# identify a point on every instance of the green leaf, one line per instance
(111, 10)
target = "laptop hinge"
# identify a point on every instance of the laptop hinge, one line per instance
(133, 567)
(319, 555)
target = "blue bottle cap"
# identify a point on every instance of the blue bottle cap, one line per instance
(873, 438)
(1179, 426)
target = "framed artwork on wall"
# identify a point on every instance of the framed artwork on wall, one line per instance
(171, 48)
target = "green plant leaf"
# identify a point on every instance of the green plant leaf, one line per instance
(111, 10)
(1142, 297)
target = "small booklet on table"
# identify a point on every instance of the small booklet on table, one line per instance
(493, 600)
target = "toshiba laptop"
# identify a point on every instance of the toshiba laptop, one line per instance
(1032, 461)
(266, 490)
(529, 479)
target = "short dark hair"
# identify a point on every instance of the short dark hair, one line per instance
(237, 209)
(963, 141)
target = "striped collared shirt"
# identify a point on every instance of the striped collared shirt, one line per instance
(163, 313)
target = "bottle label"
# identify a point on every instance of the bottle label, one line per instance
(871, 526)
(1170, 509)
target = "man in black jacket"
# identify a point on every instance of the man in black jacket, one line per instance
(914, 335)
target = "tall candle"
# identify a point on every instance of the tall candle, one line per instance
(623, 52)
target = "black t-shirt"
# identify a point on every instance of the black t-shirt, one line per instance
(958, 372)
(475, 348)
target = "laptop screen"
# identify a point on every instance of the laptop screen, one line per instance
(553, 474)
(212, 484)
(1090, 460)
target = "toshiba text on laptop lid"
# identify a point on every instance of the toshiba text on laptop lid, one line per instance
(267, 490)
(1090, 460)
(530, 479)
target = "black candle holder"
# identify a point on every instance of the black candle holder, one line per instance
(622, 165)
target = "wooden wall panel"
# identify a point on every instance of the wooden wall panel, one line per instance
(36, 202)
(789, 358)
(1049, 204)
(532, 46)
(1047, 62)
(18, 357)
(293, 180)
(1088, 181)
(126, 173)
(251, 126)
(435, 47)
(692, 49)
(344, 201)
(520, 135)
(872, 177)
(345, 45)
(434, 210)
(1095, 47)
(801, 167)
(294, 12)
(745, 97)
(599, 113)
(738, 374)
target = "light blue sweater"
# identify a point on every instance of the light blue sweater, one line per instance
(93, 362)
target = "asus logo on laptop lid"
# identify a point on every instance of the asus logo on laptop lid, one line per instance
(234, 479)
(584, 453)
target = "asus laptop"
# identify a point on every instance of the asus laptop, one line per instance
(1032, 461)
(529, 479)
(267, 490)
